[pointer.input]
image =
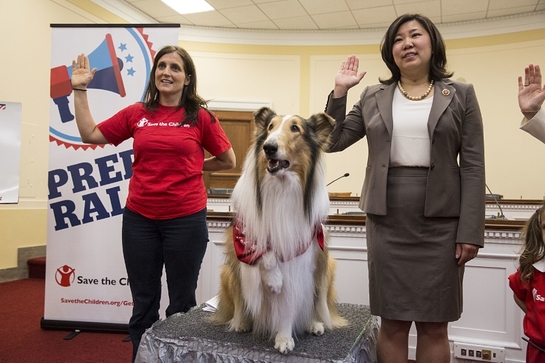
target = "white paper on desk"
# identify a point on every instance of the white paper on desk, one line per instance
(212, 304)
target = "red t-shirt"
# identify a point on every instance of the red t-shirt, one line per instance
(167, 180)
(533, 294)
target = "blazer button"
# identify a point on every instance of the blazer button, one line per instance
(432, 166)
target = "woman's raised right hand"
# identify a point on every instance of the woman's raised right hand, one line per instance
(82, 74)
(347, 76)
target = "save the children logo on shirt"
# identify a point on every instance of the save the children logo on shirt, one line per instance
(123, 58)
(144, 122)
(537, 297)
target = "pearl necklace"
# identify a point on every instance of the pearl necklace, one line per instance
(406, 95)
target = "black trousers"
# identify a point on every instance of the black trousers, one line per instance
(179, 245)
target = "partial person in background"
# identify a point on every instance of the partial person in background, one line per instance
(528, 285)
(164, 221)
(424, 187)
(531, 97)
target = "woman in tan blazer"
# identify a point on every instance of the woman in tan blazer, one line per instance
(424, 187)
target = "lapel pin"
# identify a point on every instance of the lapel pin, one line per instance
(445, 92)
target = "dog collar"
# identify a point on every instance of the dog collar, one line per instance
(247, 252)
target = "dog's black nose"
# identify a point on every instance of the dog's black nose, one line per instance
(270, 148)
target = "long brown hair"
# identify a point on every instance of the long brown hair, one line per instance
(438, 64)
(190, 99)
(533, 247)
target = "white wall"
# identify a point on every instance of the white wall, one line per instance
(513, 164)
(250, 77)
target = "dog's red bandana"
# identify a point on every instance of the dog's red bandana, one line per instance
(247, 251)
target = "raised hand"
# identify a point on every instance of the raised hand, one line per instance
(531, 92)
(82, 74)
(347, 76)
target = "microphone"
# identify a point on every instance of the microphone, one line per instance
(342, 176)
(497, 203)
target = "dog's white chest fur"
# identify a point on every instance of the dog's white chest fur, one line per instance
(275, 291)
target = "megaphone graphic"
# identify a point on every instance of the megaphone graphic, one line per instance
(107, 77)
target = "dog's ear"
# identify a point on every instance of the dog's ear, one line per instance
(324, 125)
(262, 117)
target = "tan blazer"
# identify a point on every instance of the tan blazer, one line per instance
(535, 126)
(456, 177)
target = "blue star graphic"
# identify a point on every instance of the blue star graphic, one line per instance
(122, 47)
(129, 58)
(130, 72)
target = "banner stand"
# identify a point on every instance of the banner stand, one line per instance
(83, 326)
(86, 284)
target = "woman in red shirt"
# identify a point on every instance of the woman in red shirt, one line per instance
(164, 221)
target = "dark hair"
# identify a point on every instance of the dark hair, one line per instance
(190, 99)
(533, 247)
(438, 57)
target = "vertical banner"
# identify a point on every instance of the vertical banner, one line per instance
(86, 281)
(10, 151)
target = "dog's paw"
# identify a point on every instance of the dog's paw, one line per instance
(284, 344)
(317, 328)
(242, 329)
(270, 273)
(240, 325)
(273, 279)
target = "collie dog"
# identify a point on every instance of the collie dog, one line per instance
(278, 276)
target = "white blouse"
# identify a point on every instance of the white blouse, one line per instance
(410, 138)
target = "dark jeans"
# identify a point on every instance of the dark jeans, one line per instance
(179, 244)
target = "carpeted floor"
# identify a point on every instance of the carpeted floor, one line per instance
(23, 341)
